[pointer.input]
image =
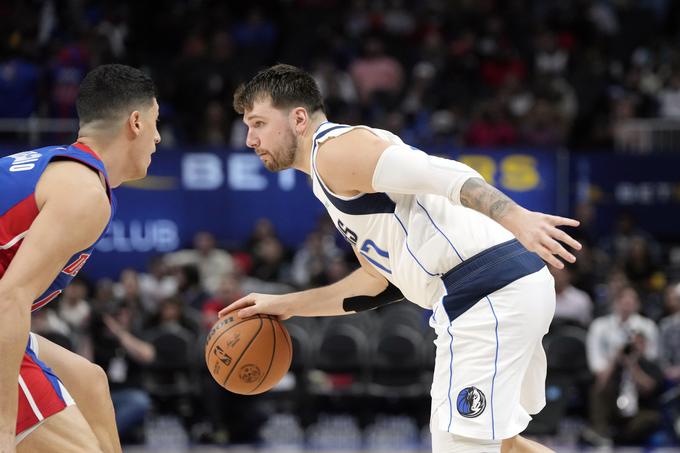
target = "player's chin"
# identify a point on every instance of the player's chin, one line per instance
(140, 174)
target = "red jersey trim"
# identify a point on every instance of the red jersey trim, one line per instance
(87, 149)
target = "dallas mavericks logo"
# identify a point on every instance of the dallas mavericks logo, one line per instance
(471, 402)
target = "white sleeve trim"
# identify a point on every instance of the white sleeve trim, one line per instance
(404, 170)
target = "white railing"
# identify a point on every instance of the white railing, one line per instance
(648, 135)
(35, 127)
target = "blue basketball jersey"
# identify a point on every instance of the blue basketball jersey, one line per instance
(19, 175)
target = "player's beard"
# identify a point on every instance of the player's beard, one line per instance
(285, 156)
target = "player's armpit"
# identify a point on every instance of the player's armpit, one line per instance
(74, 210)
(385, 292)
(346, 163)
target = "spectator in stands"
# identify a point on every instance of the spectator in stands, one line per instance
(670, 334)
(491, 127)
(336, 86)
(121, 350)
(639, 264)
(311, 261)
(669, 97)
(18, 87)
(74, 309)
(157, 284)
(263, 229)
(189, 288)
(572, 305)
(128, 292)
(227, 292)
(622, 350)
(270, 262)
(47, 323)
(212, 262)
(376, 73)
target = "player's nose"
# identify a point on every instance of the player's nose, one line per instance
(251, 140)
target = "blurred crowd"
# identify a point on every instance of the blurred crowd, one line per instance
(478, 73)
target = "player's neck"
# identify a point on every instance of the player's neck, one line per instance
(303, 158)
(105, 149)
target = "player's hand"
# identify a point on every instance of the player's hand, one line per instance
(540, 234)
(254, 303)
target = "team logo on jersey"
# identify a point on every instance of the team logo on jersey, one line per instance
(471, 402)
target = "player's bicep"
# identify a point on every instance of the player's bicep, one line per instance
(68, 222)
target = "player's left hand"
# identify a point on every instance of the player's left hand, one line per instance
(540, 234)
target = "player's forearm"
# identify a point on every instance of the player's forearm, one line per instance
(14, 328)
(328, 300)
(482, 197)
(477, 194)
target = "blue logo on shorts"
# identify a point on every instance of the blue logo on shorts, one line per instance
(471, 402)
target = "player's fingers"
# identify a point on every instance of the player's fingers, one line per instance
(557, 249)
(549, 258)
(241, 303)
(564, 237)
(566, 221)
(248, 312)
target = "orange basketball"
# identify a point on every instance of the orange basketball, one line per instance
(248, 356)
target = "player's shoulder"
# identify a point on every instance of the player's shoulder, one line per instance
(358, 137)
(74, 184)
(351, 146)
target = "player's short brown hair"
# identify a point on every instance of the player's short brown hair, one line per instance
(286, 85)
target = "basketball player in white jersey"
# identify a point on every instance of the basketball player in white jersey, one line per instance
(430, 230)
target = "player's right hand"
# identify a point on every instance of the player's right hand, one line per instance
(254, 303)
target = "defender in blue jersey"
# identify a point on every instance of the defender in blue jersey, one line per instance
(55, 204)
(430, 230)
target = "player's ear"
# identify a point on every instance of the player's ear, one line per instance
(135, 123)
(300, 119)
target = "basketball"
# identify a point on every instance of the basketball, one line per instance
(248, 356)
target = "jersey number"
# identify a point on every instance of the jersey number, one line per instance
(375, 255)
(73, 268)
(350, 235)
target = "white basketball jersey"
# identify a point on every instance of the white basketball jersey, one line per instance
(411, 240)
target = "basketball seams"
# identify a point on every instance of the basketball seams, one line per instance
(245, 349)
(289, 342)
(271, 360)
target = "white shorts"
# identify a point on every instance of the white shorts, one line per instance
(490, 365)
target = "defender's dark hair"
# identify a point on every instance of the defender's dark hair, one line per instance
(286, 85)
(111, 90)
